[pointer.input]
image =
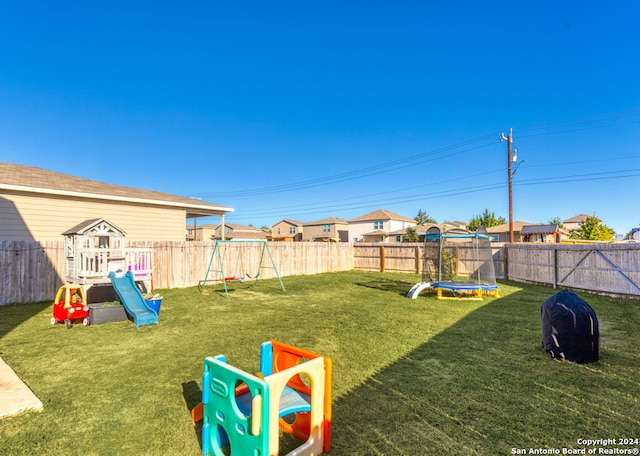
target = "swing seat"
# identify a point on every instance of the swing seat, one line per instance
(233, 279)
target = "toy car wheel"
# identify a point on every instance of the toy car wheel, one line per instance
(68, 323)
(53, 320)
(86, 321)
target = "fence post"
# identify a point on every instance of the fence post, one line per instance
(381, 258)
(506, 262)
(555, 268)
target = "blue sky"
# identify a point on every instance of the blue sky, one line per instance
(307, 110)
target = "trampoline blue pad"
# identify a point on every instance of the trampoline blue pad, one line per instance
(464, 286)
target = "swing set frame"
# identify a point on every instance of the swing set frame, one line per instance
(218, 261)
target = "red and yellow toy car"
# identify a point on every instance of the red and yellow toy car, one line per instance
(73, 306)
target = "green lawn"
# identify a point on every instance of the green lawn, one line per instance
(411, 377)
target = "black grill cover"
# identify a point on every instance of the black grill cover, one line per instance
(570, 328)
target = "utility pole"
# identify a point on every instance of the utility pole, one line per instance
(510, 159)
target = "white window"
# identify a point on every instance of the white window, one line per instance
(326, 228)
(292, 230)
(378, 225)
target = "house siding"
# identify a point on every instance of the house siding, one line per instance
(284, 234)
(46, 217)
(357, 229)
(312, 232)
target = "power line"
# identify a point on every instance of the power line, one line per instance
(549, 128)
(618, 174)
(571, 125)
(360, 173)
(345, 203)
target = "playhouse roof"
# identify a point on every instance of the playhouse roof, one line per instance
(87, 225)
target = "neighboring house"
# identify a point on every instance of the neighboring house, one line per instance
(397, 235)
(456, 224)
(326, 230)
(421, 230)
(38, 204)
(204, 232)
(377, 226)
(287, 231)
(575, 223)
(500, 233)
(233, 231)
(543, 233)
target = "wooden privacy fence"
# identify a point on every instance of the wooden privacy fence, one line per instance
(405, 257)
(603, 268)
(185, 264)
(392, 257)
(32, 271)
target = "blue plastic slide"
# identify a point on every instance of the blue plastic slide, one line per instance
(132, 299)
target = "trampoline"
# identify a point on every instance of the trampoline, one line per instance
(457, 264)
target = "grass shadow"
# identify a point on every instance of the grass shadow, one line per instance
(410, 376)
(192, 395)
(400, 287)
(13, 315)
(486, 386)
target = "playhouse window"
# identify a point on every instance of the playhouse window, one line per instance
(69, 245)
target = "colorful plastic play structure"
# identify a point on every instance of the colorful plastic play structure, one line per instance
(245, 412)
(133, 300)
(70, 307)
(457, 264)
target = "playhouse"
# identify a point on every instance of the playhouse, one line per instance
(96, 247)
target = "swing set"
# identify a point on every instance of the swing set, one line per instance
(216, 271)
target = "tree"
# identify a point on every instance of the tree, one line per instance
(593, 229)
(423, 218)
(556, 221)
(411, 236)
(631, 233)
(487, 219)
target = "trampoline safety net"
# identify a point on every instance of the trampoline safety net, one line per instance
(459, 262)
